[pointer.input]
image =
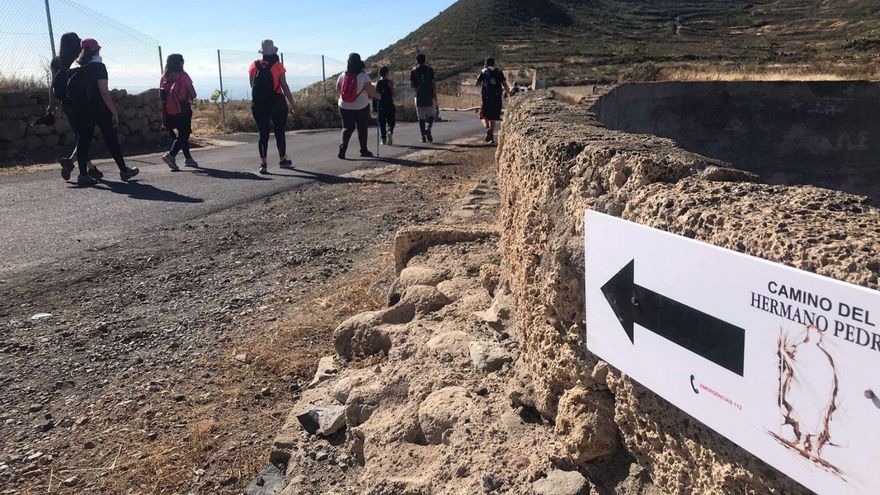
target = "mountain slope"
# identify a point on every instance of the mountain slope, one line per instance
(571, 40)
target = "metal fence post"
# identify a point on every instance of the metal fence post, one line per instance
(161, 61)
(222, 95)
(324, 76)
(51, 33)
(282, 58)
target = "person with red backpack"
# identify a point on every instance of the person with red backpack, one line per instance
(271, 101)
(355, 89)
(178, 93)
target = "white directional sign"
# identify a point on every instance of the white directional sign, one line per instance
(783, 362)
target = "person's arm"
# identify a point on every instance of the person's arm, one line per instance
(108, 100)
(506, 88)
(282, 80)
(371, 90)
(391, 88)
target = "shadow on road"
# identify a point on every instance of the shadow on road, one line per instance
(136, 190)
(403, 162)
(216, 173)
(330, 179)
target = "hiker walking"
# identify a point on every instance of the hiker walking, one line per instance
(494, 87)
(68, 50)
(387, 112)
(177, 92)
(271, 101)
(423, 80)
(89, 95)
(355, 89)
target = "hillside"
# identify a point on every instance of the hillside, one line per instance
(576, 40)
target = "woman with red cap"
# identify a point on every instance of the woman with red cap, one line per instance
(88, 92)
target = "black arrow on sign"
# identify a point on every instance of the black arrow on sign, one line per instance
(702, 334)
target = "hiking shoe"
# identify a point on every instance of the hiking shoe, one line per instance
(191, 163)
(390, 139)
(95, 173)
(264, 170)
(430, 137)
(85, 181)
(66, 168)
(128, 173)
(285, 164)
(385, 142)
(424, 139)
(171, 162)
(489, 137)
(367, 154)
(341, 154)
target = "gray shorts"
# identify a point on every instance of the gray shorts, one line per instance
(425, 113)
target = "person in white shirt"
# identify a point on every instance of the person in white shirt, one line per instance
(355, 90)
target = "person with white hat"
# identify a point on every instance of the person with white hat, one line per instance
(271, 101)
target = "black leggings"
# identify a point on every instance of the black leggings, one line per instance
(84, 142)
(387, 121)
(269, 118)
(182, 124)
(352, 119)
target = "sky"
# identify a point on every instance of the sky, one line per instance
(198, 28)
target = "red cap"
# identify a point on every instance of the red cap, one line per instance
(90, 44)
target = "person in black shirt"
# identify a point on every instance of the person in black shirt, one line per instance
(90, 96)
(68, 51)
(387, 114)
(494, 87)
(423, 80)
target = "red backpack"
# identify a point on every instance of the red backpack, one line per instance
(172, 100)
(350, 91)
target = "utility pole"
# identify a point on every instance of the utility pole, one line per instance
(161, 61)
(222, 95)
(51, 33)
(324, 76)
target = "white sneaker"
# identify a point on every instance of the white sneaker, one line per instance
(171, 162)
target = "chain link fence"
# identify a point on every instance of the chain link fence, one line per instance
(31, 29)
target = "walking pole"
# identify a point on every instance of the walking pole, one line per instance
(324, 76)
(161, 64)
(51, 33)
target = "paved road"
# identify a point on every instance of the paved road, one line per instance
(43, 219)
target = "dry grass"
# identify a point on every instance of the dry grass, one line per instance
(18, 83)
(693, 74)
(775, 72)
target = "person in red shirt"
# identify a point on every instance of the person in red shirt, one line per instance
(271, 101)
(178, 93)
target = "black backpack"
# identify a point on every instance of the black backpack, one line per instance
(79, 91)
(59, 85)
(492, 84)
(264, 84)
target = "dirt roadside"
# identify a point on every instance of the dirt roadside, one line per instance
(170, 361)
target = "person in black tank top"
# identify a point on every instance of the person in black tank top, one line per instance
(387, 114)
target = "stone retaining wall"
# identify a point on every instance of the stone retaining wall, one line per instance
(555, 161)
(140, 123)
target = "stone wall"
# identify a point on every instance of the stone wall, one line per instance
(140, 123)
(555, 161)
(821, 133)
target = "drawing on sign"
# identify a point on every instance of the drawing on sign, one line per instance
(808, 388)
(702, 334)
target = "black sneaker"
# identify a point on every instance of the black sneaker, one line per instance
(285, 164)
(263, 169)
(95, 173)
(128, 173)
(85, 181)
(66, 168)
(489, 136)
(430, 137)
(367, 154)
(424, 139)
(341, 154)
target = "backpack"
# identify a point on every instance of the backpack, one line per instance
(350, 91)
(264, 84)
(59, 85)
(79, 90)
(172, 100)
(492, 84)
